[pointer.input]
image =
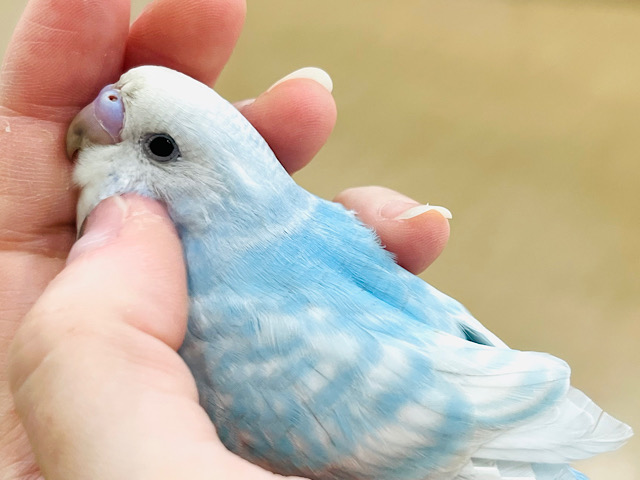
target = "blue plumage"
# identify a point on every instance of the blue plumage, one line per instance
(314, 353)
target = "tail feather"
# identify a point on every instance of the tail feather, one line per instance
(579, 475)
(576, 429)
(481, 469)
(557, 472)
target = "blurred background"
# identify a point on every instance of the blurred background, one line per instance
(523, 118)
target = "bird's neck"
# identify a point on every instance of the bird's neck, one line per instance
(250, 208)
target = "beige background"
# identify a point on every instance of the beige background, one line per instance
(523, 118)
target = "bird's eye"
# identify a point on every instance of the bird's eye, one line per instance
(160, 147)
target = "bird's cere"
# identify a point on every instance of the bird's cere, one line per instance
(100, 122)
(311, 73)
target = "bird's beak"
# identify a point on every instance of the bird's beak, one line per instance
(100, 122)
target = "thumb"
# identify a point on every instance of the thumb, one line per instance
(98, 345)
(127, 264)
(96, 381)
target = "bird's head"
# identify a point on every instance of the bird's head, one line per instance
(160, 133)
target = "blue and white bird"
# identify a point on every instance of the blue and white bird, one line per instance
(314, 353)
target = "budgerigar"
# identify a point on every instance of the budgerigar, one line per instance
(314, 353)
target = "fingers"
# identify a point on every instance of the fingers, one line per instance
(416, 241)
(193, 36)
(295, 117)
(60, 52)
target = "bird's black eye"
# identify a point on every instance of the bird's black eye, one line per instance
(160, 147)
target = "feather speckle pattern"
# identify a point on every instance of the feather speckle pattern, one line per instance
(315, 354)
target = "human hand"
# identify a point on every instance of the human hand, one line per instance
(97, 383)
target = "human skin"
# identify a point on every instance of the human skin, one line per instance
(91, 385)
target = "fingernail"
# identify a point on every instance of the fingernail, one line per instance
(103, 225)
(420, 209)
(312, 73)
(240, 104)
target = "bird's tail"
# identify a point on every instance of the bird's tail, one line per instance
(481, 469)
(542, 449)
(574, 429)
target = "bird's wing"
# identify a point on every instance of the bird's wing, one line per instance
(503, 387)
(429, 407)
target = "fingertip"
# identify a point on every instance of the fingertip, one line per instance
(312, 73)
(129, 260)
(420, 209)
(107, 219)
(421, 240)
(416, 241)
(296, 117)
